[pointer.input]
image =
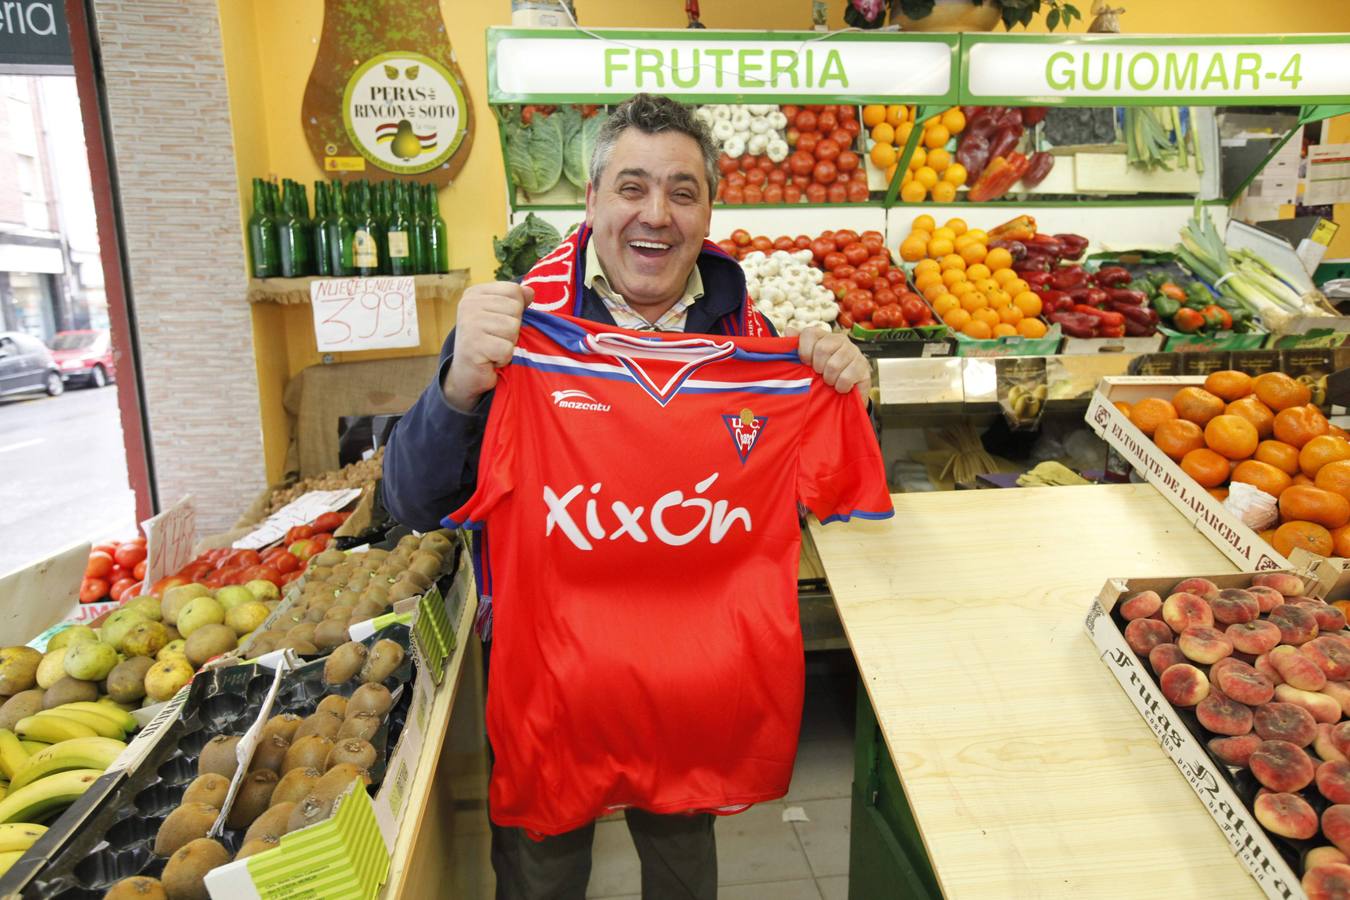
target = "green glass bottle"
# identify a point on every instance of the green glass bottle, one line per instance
(264, 258)
(322, 254)
(438, 244)
(417, 230)
(398, 235)
(341, 232)
(366, 254)
(293, 235)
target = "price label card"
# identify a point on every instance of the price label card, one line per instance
(301, 511)
(364, 313)
(168, 540)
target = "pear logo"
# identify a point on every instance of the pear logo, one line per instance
(404, 112)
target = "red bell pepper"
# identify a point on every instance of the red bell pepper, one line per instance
(1068, 277)
(997, 177)
(1188, 321)
(1075, 324)
(1111, 276)
(1106, 317)
(1036, 280)
(1041, 164)
(1074, 245)
(1022, 228)
(1034, 115)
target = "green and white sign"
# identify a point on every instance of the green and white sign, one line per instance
(565, 66)
(404, 112)
(1094, 71)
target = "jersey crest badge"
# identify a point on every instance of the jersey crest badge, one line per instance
(745, 429)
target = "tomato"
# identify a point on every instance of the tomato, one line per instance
(242, 558)
(260, 573)
(913, 307)
(117, 587)
(865, 278)
(130, 591)
(827, 121)
(847, 161)
(762, 244)
(736, 179)
(845, 321)
(847, 113)
(827, 149)
(806, 121)
(844, 272)
(816, 193)
(833, 260)
(291, 576)
(777, 176)
(802, 242)
(807, 144)
(99, 565)
(322, 540)
(108, 547)
(857, 192)
(859, 175)
(774, 194)
(883, 318)
(820, 248)
(726, 247)
(793, 194)
(285, 562)
(746, 162)
(92, 589)
(842, 138)
(196, 570)
(756, 176)
(824, 172)
(792, 135)
(862, 308)
(883, 294)
(294, 533)
(855, 253)
(734, 195)
(726, 164)
(330, 521)
(842, 288)
(790, 110)
(753, 195)
(801, 163)
(129, 554)
(139, 571)
(896, 276)
(851, 128)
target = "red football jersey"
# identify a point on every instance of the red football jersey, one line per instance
(640, 492)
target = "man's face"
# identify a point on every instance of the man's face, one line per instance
(649, 215)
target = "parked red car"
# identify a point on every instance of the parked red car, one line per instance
(85, 357)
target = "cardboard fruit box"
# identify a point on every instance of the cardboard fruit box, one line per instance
(1276, 863)
(1228, 532)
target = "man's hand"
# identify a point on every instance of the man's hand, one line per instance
(486, 327)
(838, 361)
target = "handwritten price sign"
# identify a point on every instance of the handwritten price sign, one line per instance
(168, 540)
(364, 313)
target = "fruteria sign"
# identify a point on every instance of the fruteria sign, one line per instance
(34, 35)
(565, 66)
(1090, 70)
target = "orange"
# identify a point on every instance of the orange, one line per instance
(925, 176)
(896, 114)
(1256, 412)
(952, 261)
(978, 234)
(1010, 315)
(1280, 455)
(1308, 535)
(920, 158)
(1339, 432)
(902, 133)
(953, 276)
(945, 303)
(1032, 328)
(1126, 409)
(1229, 384)
(987, 316)
(1151, 412)
(978, 330)
(883, 155)
(924, 266)
(957, 319)
(873, 114)
(1298, 425)
(1321, 450)
(926, 280)
(1278, 391)
(936, 136)
(955, 175)
(940, 247)
(912, 192)
(961, 288)
(1268, 536)
(1177, 437)
(1208, 468)
(944, 232)
(1335, 477)
(924, 222)
(958, 226)
(1262, 476)
(933, 291)
(1302, 479)
(973, 252)
(1309, 503)
(1232, 436)
(944, 192)
(883, 133)
(1220, 494)
(979, 272)
(1197, 404)
(974, 300)
(1014, 286)
(1028, 302)
(999, 258)
(939, 159)
(954, 120)
(1003, 329)
(913, 249)
(1340, 543)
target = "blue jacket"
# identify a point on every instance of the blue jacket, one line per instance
(431, 461)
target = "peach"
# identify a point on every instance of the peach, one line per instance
(1322, 856)
(1197, 586)
(1329, 618)
(1336, 826)
(1320, 706)
(1333, 780)
(1235, 751)
(1296, 669)
(1324, 746)
(1144, 634)
(1244, 684)
(1140, 606)
(1297, 624)
(1340, 738)
(1287, 815)
(1184, 685)
(1234, 606)
(1263, 665)
(1266, 598)
(1222, 715)
(1282, 766)
(1340, 692)
(1254, 637)
(1286, 584)
(1330, 655)
(1181, 611)
(1163, 656)
(1206, 645)
(1285, 722)
(1326, 881)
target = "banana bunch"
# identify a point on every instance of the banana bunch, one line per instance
(15, 839)
(1317, 384)
(1025, 404)
(72, 720)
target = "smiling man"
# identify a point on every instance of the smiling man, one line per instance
(640, 262)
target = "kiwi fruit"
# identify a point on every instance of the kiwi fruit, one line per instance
(185, 824)
(260, 646)
(416, 577)
(426, 564)
(410, 541)
(323, 722)
(367, 609)
(21, 706)
(270, 824)
(269, 753)
(301, 632)
(184, 873)
(376, 593)
(282, 725)
(358, 618)
(371, 698)
(126, 682)
(257, 845)
(209, 641)
(335, 781)
(137, 887)
(319, 573)
(329, 558)
(332, 631)
(69, 690)
(333, 703)
(307, 812)
(376, 554)
(210, 789)
(404, 590)
(253, 798)
(295, 785)
(310, 752)
(361, 725)
(344, 662)
(316, 613)
(384, 658)
(435, 542)
(304, 648)
(355, 751)
(358, 580)
(218, 756)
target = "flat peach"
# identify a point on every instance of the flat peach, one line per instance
(1340, 737)
(1144, 634)
(1286, 584)
(1322, 856)
(1163, 656)
(1140, 606)
(1285, 722)
(1336, 826)
(1326, 881)
(1222, 715)
(1263, 665)
(1235, 751)
(1234, 606)
(1324, 746)
(1266, 597)
(1321, 707)
(1329, 655)
(1340, 692)
(1287, 815)
(1282, 766)
(1184, 685)
(1297, 624)
(1199, 586)
(1333, 780)
(1205, 645)
(1254, 637)
(1244, 684)
(1181, 611)
(1295, 668)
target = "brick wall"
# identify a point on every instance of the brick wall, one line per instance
(170, 114)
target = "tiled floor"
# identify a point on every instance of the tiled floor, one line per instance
(760, 856)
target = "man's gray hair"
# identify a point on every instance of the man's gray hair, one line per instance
(654, 114)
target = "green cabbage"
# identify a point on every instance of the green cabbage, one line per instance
(534, 152)
(523, 246)
(580, 136)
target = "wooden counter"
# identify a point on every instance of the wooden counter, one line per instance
(1028, 771)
